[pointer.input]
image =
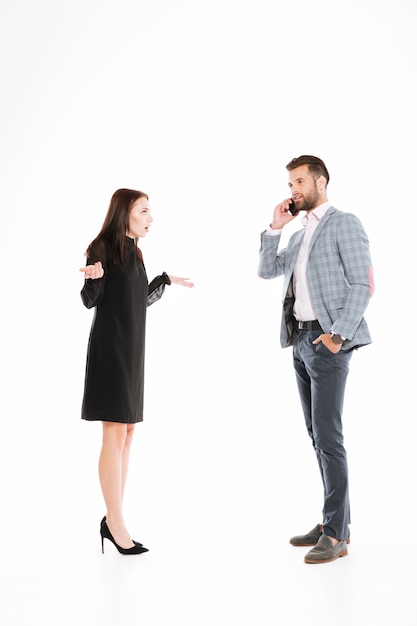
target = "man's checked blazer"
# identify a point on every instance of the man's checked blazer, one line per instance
(339, 275)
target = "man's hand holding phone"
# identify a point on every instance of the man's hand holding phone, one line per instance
(283, 214)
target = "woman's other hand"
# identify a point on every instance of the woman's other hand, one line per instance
(184, 282)
(93, 271)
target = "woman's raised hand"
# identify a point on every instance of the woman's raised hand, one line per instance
(184, 282)
(93, 271)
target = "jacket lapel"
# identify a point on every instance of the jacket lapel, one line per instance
(322, 223)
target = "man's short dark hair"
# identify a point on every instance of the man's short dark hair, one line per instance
(316, 166)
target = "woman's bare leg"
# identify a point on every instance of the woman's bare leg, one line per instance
(112, 472)
(126, 455)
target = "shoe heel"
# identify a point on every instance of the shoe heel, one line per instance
(105, 533)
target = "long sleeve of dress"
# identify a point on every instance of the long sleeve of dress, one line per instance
(93, 289)
(156, 287)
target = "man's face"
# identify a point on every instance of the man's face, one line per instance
(304, 189)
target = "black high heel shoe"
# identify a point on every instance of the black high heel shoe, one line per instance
(106, 534)
(135, 542)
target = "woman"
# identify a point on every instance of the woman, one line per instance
(117, 285)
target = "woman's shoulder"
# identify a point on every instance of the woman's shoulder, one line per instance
(98, 250)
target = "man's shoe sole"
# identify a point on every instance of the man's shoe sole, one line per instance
(314, 561)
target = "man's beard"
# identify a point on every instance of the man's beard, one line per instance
(310, 201)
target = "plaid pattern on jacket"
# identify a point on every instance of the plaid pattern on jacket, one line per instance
(339, 276)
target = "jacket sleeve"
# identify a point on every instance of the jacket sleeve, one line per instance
(271, 262)
(353, 246)
(156, 287)
(93, 289)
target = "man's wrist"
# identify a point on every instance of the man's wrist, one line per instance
(337, 339)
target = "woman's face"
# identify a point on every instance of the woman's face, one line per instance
(139, 219)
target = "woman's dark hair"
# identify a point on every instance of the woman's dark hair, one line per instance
(316, 166)
(116, 224)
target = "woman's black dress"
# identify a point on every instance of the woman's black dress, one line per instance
(114, 376)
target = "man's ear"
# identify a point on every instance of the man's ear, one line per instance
(321, 183)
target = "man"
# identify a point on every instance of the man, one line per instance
(328, 282)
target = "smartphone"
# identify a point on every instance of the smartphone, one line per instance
(292, 208)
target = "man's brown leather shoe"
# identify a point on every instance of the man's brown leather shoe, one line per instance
(311, 538)
(325, 552)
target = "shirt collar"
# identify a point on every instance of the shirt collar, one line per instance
(318, 212)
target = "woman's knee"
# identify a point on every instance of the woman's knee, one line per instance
(115, 434)
(129, 434)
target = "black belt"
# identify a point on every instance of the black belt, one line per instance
(312, 325)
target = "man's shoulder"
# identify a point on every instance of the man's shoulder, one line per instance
(342, 216)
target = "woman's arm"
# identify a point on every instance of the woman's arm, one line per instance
(156, 287)
(94, 274)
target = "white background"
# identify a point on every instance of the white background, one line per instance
(201, 105)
